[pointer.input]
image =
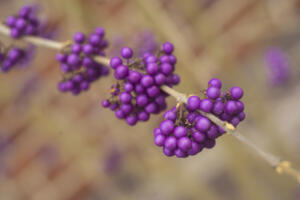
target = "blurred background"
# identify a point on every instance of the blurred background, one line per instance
(55, 146)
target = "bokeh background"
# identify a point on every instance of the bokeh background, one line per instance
(55, 146)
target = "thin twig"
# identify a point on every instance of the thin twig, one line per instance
(279, 165)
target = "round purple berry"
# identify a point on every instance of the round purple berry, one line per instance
(184, 143)
(199, 137)
(168, 47)
(231, 107)
(203, 124)
(180, 131)
(115, 62)
(159, 140)
(193, 103)
(167, 127)
(170, 115)
(236, 93)
(170, 143)
(79, 37)
(126, 52)
(215, 82)
(122, 71)
(206, 105)
(213, 92)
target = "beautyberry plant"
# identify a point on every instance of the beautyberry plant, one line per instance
(185, 131)
(142, 85)
(24, 23)
(137, 93)
(77, 63)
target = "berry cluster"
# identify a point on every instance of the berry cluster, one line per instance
(77, 63)
(137, 93)
(11, 57)
(24, 23)
(185, 131)
(226, 106)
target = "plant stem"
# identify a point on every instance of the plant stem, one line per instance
(279, 165)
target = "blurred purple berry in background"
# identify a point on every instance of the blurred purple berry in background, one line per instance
(113, 161)
(145, 42)
(277, 66)
(24, 23)
(142, 42)
(16, 56)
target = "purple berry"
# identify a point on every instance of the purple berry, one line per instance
(235, 121)
(218, 108)
(193, 103)
(20, 24)
(167, 127)
(179, 153)
(168, 152)
(153, 91)
(122, 71)
(206, 105)
(128, 87)
(196, 148)
(231, 107)
(215, 82)
(131, 120)
(151, 108)
(142, 100)
(209, 143)
(79, 37)
(156, 132)
(115, 62)
(203, 124)
(199, 137)
(125, 97)
(126, 52)
(160, 79)
(119, 114)
(170, 115)
(213, 92)
(134, 76)
(100, 31)
(147, 81)
(180, 131)
(166, 68)
(184, 143)
(143, 116)
(94, 39)
(212, 133)
(242, 116)
(11, 21)
(236, 93)
(168, 47)
(152, 68)
(159, 140)
(170, 143)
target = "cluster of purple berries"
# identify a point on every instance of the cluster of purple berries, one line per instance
(77, 63)
(11, 57)
(137, 93)
(24, 23)
(227, 106)
(185, 131)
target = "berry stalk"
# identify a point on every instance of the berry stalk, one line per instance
(38, 41)
(279, 165)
